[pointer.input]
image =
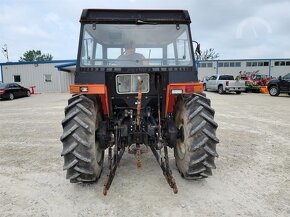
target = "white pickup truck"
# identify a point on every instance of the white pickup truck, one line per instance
(224, 83)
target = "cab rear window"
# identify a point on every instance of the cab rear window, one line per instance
(226, 77)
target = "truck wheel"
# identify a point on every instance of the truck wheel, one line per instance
(195, 149)
(238, 92)
(220, 89)
(83, 157)
(274, 91)
(204, 87)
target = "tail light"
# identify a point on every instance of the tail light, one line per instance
(227, 83)
(2, 91)
(189, 89)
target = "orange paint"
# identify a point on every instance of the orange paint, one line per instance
(187, 88)
(96, 89)
(264, 90)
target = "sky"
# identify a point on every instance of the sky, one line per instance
(236, 29)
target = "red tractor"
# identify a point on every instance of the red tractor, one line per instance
(136, 88)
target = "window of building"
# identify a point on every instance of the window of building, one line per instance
(203, 65)
(249, 64)
(209, 65)
(288, 63)
(266, 63)
(254, 63)
(277, 63)
(47, 78)
(260, 64)
(17, 78)
(282, 63)
(221, 64)
(226, 64)
(238, 64)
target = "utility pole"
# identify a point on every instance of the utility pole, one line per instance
(5, 52)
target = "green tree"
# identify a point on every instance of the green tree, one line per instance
(35, 55)
(209, 54)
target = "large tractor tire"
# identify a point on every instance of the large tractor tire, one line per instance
(195, 149)
(83, 157)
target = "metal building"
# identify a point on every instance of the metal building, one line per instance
(271, 67)
(45, 75)
(56, 75)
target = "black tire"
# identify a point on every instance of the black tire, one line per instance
(11, 96)
(288, 94)
(204, 87)
(220, 89)
(28, 93)
(195, 149)
(238, 92)
(274, 91)
(83, 157)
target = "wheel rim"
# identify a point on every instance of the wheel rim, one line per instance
(220, 90)
(28, 93)
(180, 146)
(204, 87)
(11, 96)
(273, 91)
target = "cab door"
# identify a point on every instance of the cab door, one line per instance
(14, 89)
(211, 83)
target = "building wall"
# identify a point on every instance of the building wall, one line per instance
(34, 74)
(270, 67)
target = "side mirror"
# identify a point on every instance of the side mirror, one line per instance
(280, 78)
(197, 50)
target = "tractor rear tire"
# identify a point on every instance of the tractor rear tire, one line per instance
(83, 157)
(195, 149)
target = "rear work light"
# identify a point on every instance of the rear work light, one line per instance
(176, 91)
(84, 89)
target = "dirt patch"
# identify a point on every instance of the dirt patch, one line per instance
(252, 176)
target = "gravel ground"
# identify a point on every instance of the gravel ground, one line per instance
(252, 176)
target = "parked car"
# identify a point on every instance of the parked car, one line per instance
(224, 83)
(282, 85)
(12, 90)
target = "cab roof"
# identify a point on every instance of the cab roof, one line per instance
(135, 16)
